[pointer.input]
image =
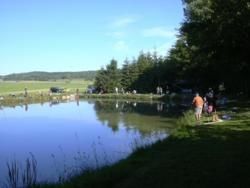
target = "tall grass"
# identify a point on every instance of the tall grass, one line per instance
(13, 174)
(28, 174)
(187, 119)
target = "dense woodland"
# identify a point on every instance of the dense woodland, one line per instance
(46, 76)
(212, 48)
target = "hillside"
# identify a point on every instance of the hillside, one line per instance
(44, 76)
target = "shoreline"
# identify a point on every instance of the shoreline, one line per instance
(36, 97)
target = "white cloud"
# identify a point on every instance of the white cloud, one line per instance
(159, 32)
(163, 49)
(117, 34)
(123, 22)
(121, 46)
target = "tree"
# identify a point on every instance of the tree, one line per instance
(101, 80)
(217, 35)
(126, 74)
(109, 78)
(145, 65)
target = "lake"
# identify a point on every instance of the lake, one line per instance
(68, 137)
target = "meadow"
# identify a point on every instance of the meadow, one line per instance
(16, 87)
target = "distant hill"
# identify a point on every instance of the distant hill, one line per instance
(45, 76)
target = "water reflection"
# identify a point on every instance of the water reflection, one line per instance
(78, 129)
(165, 109)
(26, 107)
(159, 106)
(146, 117)
(53, 102)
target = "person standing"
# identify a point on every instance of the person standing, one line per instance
(160, 90)
(210, 101)
(167, 90)
(198, 104)
(116, 90)
(25, 92)
(157, 90)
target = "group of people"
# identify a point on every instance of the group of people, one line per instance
(206, 104)
(122, 91)
(159, 90)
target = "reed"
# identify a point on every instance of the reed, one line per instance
(13, 174)
(28, 174)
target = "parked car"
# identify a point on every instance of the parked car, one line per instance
(91, 89)
(56, 90)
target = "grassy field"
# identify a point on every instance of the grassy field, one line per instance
(214, 155)
(13, 87)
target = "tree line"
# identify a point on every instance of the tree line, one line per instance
(211, 48)
(46, 76)
(143, 74)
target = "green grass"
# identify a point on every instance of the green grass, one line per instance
(216, 155)
(13, 87)
(12, 93)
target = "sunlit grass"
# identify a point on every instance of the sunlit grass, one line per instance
(14, 87)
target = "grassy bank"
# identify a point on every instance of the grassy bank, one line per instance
(214, 155)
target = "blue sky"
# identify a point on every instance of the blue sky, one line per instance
(76, 35)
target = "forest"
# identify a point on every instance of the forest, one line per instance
(212, 48)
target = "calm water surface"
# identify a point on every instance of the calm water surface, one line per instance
(65, 137)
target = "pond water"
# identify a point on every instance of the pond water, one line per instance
(70, 136)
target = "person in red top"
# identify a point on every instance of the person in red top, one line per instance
(198, 103)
